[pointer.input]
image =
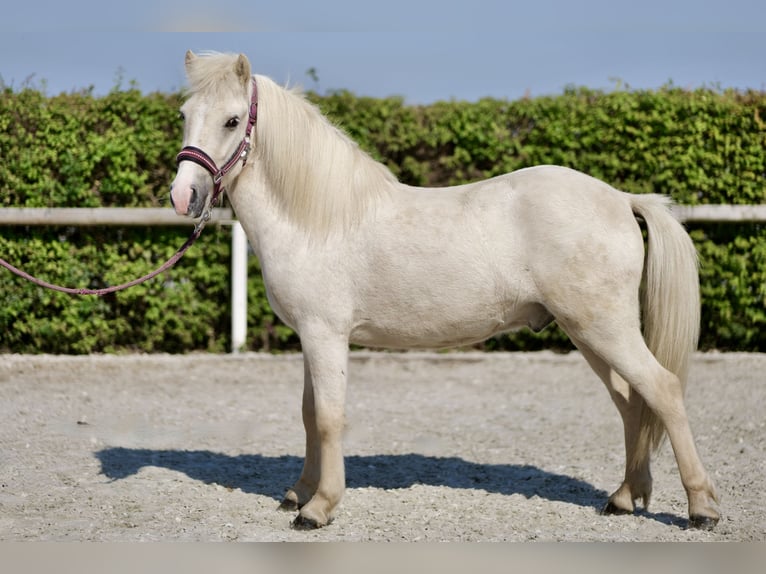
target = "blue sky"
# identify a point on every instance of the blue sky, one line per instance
(423, 51)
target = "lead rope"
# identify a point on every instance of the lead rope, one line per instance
(207, 214)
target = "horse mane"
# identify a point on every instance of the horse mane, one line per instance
(322, 179)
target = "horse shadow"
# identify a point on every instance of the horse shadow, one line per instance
(268, 475)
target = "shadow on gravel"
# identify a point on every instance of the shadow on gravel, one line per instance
(269, 476)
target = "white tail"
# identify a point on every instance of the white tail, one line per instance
(670, 300)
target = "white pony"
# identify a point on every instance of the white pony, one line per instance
(350, 255)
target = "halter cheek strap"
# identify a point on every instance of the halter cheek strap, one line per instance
(198, 156)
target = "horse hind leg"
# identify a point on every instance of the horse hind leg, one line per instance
(637, 483)
(663, 393)
(620, 345)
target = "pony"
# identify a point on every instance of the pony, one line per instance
(350, 255)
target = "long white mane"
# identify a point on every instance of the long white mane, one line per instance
(321, 178)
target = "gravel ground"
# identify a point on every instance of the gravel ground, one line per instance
(439, 447)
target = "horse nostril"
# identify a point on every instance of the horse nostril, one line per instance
(172, 203)
(193, 197)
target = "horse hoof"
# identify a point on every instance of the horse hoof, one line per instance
(612, 509)
(303, 523)
(702, 522)
(288, 505)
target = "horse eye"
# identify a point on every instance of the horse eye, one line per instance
(232, 123)
(181, 116)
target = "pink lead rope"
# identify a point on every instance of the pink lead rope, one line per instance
(106, 290)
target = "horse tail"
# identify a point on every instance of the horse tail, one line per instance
(670, 302)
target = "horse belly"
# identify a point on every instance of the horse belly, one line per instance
(445, 277)
(415, 333)
(433, 321)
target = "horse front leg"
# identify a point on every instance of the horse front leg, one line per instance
(323, 482)
(302, 491)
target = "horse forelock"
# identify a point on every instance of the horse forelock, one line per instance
(211, 72)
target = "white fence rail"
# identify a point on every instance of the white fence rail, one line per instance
(84, 216)
(131, 216)
(721, 213)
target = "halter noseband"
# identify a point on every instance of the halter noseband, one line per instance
(198, 156)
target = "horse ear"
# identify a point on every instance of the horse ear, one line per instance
(190, 57)
(242, 68)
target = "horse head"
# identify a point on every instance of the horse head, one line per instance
(219, 116)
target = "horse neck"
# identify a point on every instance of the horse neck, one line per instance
(320, 178)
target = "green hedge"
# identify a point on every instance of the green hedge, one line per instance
(77, 150)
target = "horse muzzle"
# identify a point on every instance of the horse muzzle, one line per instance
(189, 195)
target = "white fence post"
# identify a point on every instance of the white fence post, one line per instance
(238, 287)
